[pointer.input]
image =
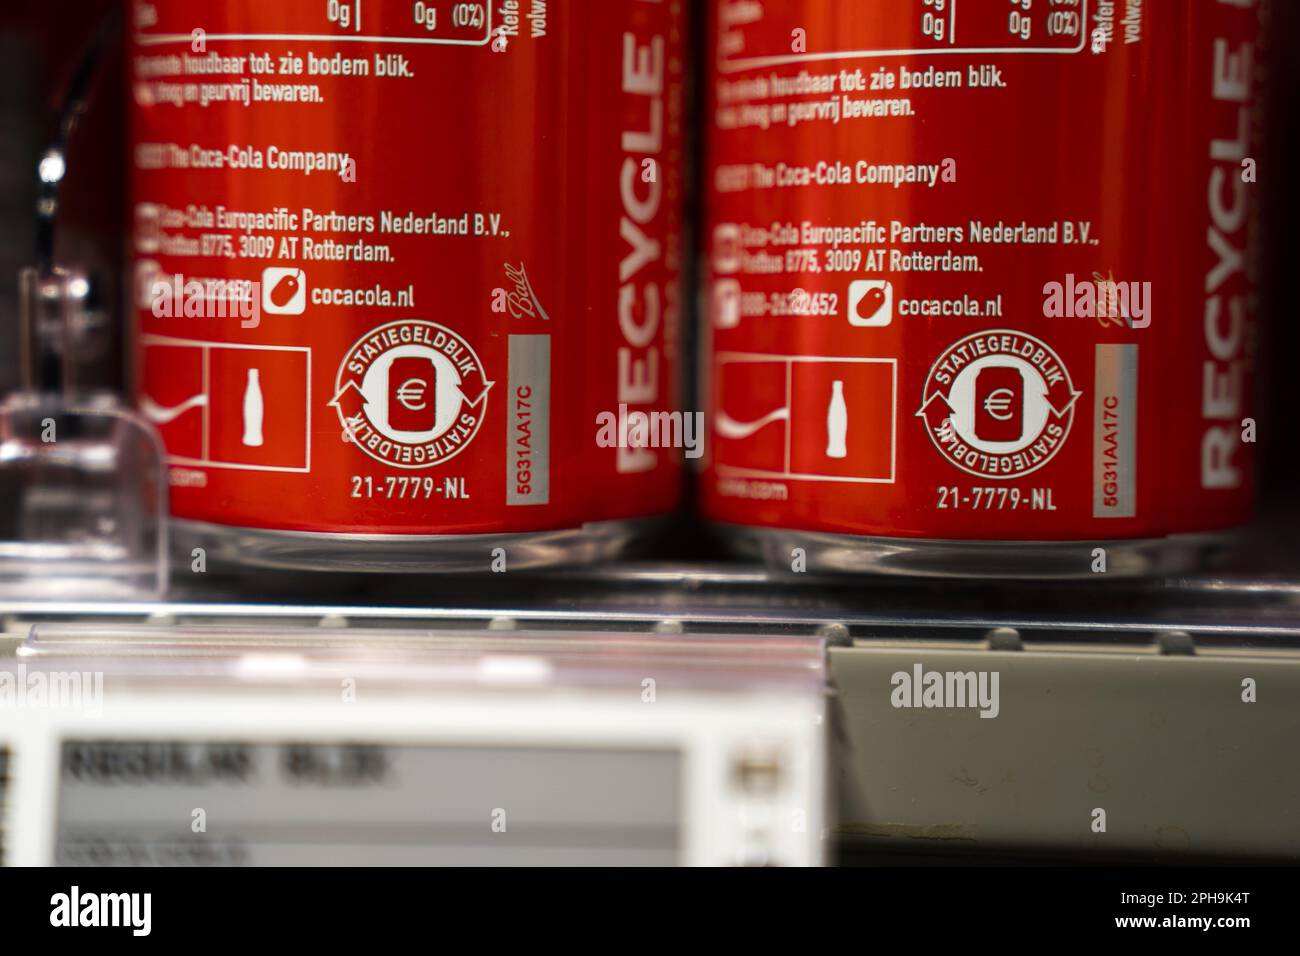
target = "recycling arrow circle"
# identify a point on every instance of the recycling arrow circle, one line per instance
(411, 394)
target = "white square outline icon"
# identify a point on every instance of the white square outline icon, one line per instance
(274, 275)
(884, 315)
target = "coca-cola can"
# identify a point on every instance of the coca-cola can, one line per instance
(417, 250)
(978, 282)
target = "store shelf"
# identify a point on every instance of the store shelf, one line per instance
(1120, 696)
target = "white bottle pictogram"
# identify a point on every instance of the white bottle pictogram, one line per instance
(837, 423)
(253, 410)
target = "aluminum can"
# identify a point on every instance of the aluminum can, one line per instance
(978, 282)
(425, 245)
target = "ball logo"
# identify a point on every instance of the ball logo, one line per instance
(411, 394)
(998, 404)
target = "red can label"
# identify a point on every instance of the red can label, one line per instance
(393, 261)
(970, 257)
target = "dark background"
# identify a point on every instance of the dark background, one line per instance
(40, 46)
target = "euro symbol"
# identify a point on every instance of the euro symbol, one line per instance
(998, 404)
(411, 394)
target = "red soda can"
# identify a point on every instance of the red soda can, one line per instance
(393, 262)
(1029, 270)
